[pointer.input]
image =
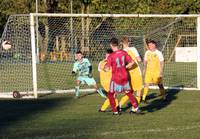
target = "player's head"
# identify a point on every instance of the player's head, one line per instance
(78, 55)
(108, 52)
(114, 43)
(151, 45)
(125, 41)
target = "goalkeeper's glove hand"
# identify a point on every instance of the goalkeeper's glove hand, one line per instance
(73, 73)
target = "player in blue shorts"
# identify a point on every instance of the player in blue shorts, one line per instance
(84, 70)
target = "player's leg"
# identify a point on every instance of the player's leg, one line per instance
(135, 108)
(91, 81)
(106, 104)
(162, 91)
(112, 102)
(158, 81)
(136, 83)
(138, 96)
(145, 92)
(77, 91)
(132, 99)
(100, 91)
(147, 81)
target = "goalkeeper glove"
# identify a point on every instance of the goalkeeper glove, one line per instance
(73, 73)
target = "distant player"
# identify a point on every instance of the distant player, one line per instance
(134, 72)
(84, 70)
(119, 61)
(105, 78)
(153, 69)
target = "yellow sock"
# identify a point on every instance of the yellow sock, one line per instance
(138, 99)
(106, 104)
(123, 100)
(117, 103)
(146, 89)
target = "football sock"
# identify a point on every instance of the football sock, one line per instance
(117, 103)
(162, 92)
(132, 99)
(105, 105)
(77, 91)
(146, 89)
(138, 99)
(112, 101)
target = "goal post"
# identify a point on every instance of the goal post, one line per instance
(33, 52)
(198, 52)
(46, 67)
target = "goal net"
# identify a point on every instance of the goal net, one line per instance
(43, 47)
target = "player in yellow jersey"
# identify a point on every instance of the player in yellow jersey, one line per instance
(105, 77)
(135, 72)
(153, 69)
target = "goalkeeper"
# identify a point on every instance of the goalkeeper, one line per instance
(83, 68)
(105, 77)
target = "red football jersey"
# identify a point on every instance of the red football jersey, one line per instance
(117, 61)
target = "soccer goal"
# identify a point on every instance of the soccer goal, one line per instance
(43, 45)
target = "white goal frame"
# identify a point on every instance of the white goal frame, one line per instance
(33, 44)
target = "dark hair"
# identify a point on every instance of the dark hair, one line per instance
(114, 41)
(151, 41)
(79, 52)
(109, 51)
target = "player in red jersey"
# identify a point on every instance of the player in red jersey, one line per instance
(120, 61)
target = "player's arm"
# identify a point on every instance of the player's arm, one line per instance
(161, 58)
(161, 68)
(90, 71)
(107, 66)
(138, 58)
(144, 67)
(145, 64)
(89, 67)
(130, 64)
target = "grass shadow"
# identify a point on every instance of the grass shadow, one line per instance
(158, 103)
(155, 102)
(15, 110)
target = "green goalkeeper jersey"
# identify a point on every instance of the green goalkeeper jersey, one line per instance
(82, 68)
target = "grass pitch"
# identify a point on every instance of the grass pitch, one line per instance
(61, 116)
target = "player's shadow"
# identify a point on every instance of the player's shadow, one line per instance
(157, 103)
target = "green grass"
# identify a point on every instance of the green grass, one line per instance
(52, 76)
(61, 116)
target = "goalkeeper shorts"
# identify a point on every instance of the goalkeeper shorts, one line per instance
(86, 80)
